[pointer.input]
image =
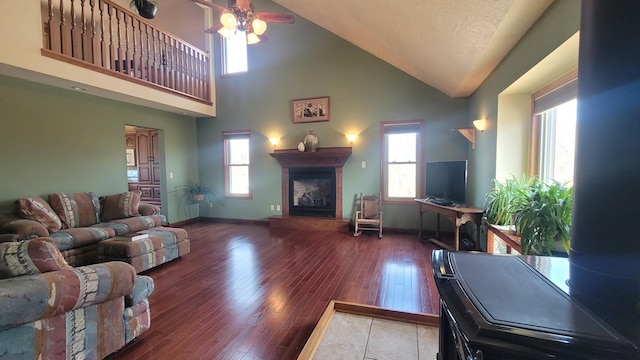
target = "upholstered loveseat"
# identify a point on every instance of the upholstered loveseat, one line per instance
(80, 223)
(50, 310)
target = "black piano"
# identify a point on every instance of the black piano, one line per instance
(517, 307)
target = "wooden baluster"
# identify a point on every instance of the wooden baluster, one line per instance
(189, 64)
(95, 42)
(86, 36)
(172, 68)
(151, 54)
(195, 61)
(76, 33)
(112, 48)
(156, 60)
(65, 43)
(122, 65)
(135, 71)
(103, 45)
(207, 77)
(180, 54)
(162, 53)
(127, 48)
(201, 75)
(54, 30)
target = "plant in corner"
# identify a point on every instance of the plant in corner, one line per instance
(544, 224)
(146, 8)
(198, 192)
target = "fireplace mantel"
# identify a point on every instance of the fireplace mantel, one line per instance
(324, 157)
(334, 157)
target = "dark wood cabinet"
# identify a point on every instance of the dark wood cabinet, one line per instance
(148, 163)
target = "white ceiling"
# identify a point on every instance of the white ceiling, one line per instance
(452, 45)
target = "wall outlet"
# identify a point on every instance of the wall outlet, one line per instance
(277, 207)
(272, 207)
(364, 164)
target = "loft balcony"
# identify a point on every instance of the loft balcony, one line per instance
(107, 50)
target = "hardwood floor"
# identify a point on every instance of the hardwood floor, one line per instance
(246, 293)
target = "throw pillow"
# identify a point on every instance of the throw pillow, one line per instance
(30, 257)
(35, 208)
(121, 205)
(77, 209)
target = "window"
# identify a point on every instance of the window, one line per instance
(234, 53)
(555, 133)
(237, 164)
(400, 158)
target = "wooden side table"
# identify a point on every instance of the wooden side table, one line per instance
(509, 237)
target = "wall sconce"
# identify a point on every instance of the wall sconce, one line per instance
(480, 124)
(351, 137)
(274, 141)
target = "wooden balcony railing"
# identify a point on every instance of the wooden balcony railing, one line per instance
(103, 36)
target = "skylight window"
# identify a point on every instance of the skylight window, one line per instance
(234, 50)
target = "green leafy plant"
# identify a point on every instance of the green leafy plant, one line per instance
(545, 220)
(506, 199)
(198, 191)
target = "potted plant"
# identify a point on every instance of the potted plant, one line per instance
(506, 199)
(146, 8)
(544, 223)
(198, 192)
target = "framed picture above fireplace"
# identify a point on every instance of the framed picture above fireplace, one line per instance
(310, 110)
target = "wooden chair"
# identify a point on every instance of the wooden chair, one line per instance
(369, 217)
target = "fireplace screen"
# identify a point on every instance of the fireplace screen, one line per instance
(313, 193)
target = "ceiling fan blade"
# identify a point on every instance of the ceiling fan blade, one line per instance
(276, 17)
(210, 5)
(214, 29)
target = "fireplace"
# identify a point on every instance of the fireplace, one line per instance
(311, 187)
(312, 192)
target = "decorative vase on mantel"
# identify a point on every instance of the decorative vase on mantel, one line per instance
(310, 142)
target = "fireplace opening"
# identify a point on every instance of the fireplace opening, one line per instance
(312, 192)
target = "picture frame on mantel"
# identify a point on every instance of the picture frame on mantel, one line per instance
(310, 110)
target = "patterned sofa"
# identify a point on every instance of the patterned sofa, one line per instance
(50, 310)
(78, 222)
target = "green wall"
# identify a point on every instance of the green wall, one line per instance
(558, 23)
(303, 60)
(60, 140)
(57, 140)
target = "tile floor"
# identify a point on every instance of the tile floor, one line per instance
(360, 337)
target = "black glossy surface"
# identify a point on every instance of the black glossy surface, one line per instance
(510, 307)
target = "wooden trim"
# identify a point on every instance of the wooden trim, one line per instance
(534, 130)
(334, 157)
(419, 161)
(321, 327)
(570, 76)
(117, 74)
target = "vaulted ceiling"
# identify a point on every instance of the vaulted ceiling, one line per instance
(452, 45)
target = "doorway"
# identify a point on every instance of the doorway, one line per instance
(144, 163)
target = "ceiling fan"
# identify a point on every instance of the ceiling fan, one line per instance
(239, 15)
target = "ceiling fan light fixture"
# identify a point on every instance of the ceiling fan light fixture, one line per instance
(259, 26)
(252, 38)
(228, 20)
(225, 32)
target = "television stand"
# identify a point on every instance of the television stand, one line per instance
(458, 215)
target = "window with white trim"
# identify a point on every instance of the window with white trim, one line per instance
(555, 133)
(234, 53)
(401, 155)
(237, 163)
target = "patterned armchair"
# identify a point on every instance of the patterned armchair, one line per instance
(50, 310)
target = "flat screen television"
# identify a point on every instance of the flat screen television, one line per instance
(447, 180)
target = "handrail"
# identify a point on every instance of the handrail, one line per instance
(104, 36)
